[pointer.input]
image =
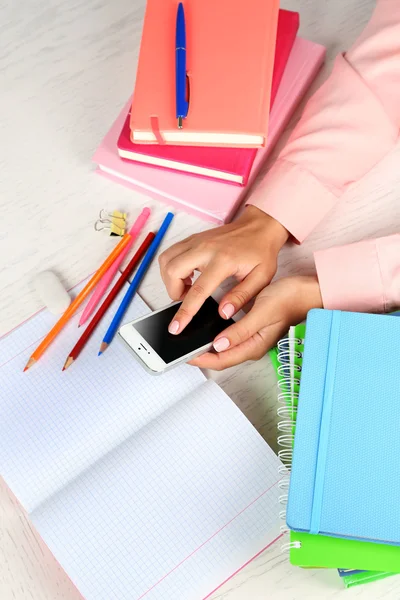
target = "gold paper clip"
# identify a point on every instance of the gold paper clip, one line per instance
(115, 222)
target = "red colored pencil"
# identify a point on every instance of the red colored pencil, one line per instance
(76, 350)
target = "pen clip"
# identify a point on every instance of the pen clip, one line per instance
(185, 102)
(187, 97)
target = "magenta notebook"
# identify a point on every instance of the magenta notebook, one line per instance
(232, 165)
(206, 198)
(288, 26)
(225, 164)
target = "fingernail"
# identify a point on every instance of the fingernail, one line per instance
(174, 326)
(221, 344)
(228, 310)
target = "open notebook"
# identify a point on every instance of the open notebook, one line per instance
(141, 486)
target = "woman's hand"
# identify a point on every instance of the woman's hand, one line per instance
(246, 249)
(281, 304)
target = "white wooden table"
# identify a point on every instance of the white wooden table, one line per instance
(66, 69)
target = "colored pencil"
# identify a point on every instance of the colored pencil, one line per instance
(126, 273)
(112, 271)
(111, 331)
(81, 297)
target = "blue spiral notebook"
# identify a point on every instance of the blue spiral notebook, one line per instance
(345, 478)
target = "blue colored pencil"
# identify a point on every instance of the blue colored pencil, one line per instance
(112, 330)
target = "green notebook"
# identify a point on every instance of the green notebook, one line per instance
(307, 550)
(363, 577)
(331, 552)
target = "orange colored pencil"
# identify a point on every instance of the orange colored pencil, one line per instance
(126, 273)
(81, 297)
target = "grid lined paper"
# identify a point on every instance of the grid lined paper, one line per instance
(142, 486)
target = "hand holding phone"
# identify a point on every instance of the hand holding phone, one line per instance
(158, 350)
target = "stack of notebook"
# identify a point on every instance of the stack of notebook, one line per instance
(342, 505)
(246, 73)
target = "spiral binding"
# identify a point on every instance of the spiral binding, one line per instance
(287, 412)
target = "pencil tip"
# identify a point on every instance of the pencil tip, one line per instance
(28, 365)
(63, 369)
(103, 347)
(99, 354)
(68, 363)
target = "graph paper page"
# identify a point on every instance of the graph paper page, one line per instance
(173, 511)
(54, 424)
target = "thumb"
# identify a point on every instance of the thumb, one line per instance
(242, 293)
(258, 322)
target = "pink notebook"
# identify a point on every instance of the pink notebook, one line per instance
(225, 164)
(212, 200)
(229, 63)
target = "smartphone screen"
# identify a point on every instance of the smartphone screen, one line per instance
(201, 331)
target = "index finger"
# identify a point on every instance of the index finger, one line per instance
(198, 293)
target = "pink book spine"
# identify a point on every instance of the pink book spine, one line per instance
(161, 197)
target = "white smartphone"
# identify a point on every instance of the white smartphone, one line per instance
(158, 350)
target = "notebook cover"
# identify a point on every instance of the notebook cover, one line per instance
(329, 552)
(233, 161)
(205, 198)
(363, 577)
(230, 60)
(345, 478)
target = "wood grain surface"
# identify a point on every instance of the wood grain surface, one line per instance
(66, 69)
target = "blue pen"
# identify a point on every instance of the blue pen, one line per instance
(182, 105)
(112, 330)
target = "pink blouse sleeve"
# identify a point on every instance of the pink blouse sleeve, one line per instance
(362, 277)
(348, 126)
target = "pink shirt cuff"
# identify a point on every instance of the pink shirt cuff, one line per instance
(329, 149)
(362, 277)
(294, 197)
